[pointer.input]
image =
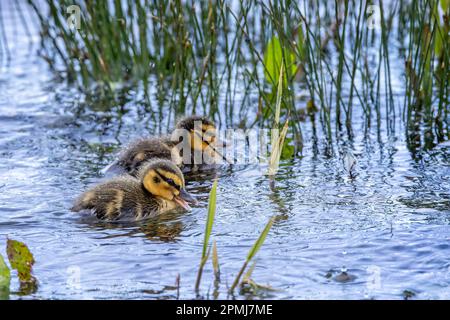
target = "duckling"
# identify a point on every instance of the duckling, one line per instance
(140, 151)
(201, 139)
(159, 187)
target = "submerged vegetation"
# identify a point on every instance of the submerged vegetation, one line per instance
(343, 61)
(21, 260)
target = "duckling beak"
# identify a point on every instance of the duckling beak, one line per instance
(184, 198)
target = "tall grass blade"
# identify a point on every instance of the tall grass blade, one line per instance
(208, 229)
(215, 261)
(247, 276)
(279, 96)
(262, 237)
(210, 218)
(277, 140)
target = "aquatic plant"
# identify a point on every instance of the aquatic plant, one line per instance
(428, 74)
(5, 279)
(223, 60)
(215, 262)
(208, 230)
(21, 260)
(215, 259)
(277, 137)
(249, 286)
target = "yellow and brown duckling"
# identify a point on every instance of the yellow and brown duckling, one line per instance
(195, 134)
(158, 187)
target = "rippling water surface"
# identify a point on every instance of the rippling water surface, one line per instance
(388, 228)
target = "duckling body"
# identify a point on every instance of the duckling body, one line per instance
(200, 138)
(157, 188)
(140, 151)
(119, 197)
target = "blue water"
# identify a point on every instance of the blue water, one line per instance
(388, 228)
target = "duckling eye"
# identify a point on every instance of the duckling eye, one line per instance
(156, 180)
(172, 183)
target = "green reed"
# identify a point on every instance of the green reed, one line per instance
(208, 230)
(428, 75)
(217, 58)
(206, 249)
(22, 260)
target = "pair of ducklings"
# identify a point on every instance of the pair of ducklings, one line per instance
(153, 184)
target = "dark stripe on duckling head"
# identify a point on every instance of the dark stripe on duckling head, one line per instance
(161, 164)
(163, 170)
(169, 180)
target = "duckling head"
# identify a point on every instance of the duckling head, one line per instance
(165, 181)
(202, 132)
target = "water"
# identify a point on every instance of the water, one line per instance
(388, 228)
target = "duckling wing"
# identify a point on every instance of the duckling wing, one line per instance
(110, 200)
(167, 140)
(113, 169)
(140, 152)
